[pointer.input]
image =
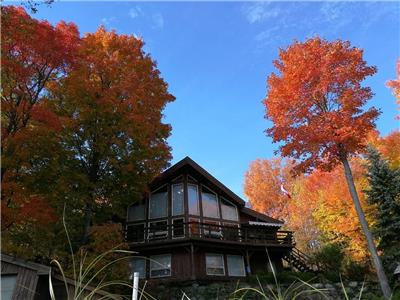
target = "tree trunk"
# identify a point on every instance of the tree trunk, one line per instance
(88, 221)
(364, 225)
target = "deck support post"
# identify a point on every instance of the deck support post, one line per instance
(192, 261)
(248, 269)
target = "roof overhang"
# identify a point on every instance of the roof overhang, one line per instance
(265, 224)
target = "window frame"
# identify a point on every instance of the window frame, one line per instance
(158, 264)
(236, 209)
(243, 265)
(144, 259)
(223, 263)
(217, 202)
(145, 213)
(167, 204)
(198, 199)
(172, 199)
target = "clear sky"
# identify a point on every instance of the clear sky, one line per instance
(216, 57)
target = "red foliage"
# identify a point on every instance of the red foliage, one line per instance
(315, 102)
(33, 53)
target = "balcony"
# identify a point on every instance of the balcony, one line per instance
(246, 234)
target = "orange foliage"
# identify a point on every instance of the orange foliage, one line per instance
(320, 208)
(388, 146)
(315, 102)
(262, 186)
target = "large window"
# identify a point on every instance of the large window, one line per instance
(210, 203)
(138, 264)
(177, 199)
(229, 211)
(235, 265)
(136, 212)
(160, 265)
(193, 195)
(215, 264)
(158, 203)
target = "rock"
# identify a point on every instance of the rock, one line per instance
(353, 284)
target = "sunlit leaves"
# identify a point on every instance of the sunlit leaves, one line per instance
(315, 102)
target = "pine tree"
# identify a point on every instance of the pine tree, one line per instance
(384, 193)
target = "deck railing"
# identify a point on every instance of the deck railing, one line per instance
(247, 234)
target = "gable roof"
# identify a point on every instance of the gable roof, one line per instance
(189, 164)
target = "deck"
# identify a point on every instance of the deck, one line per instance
(244, 235)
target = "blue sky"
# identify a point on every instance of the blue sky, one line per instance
(216, 57)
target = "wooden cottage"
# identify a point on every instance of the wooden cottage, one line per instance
(192, 227)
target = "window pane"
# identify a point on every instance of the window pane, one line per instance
(228, 211)
(160, 265)
(7, 286)
(136, 212)
(215, 264)
(210, 204)
(193, 199)
(235, 265)
(158, 204)
(138, 264)
(177, 199)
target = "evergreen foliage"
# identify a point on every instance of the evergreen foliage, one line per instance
(384, 193)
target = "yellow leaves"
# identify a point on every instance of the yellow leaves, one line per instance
(320, 206)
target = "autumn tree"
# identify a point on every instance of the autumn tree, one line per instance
(262, 186)
(334, 213)
(315, 102)
(34, 53)
(112, 103)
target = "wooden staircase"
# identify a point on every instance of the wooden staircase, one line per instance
(301, 261)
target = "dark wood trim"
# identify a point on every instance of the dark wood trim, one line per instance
(193, 267)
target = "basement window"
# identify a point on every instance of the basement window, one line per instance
(235, 265)
(138, 264)
(160, 265)
(215, 264)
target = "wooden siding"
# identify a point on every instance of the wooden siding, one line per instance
(25, 283)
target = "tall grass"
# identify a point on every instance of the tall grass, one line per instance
(296, 290)
(88, 276)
